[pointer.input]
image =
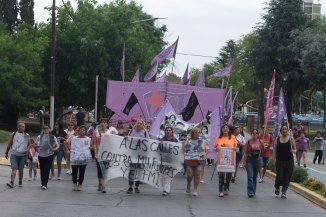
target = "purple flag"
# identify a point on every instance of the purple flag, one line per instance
(155, 127)
(201, 80)
(185, 79)
(215, 131)
(166, 53)
(152, 71)
(122, 66)
(163, 78)
(224, 72)
(281, 110)
(136, 76)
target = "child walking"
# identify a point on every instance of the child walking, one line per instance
(32, 161)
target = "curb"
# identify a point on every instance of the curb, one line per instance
(306, 193)
(6, 162)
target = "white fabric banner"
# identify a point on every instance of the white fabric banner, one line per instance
(150, 161)
(80, 150)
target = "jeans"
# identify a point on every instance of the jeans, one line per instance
(45, 166)
(59, 155)
(252, 166)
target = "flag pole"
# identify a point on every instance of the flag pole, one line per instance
(141, 110)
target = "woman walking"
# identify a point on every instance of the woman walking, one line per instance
(251, 159)
(46, 144)
(225, 140)
(302, 144)
(194, 158)
(168, 136)
(61, 136)
(79, 156)
(284, 148)
(97, 135)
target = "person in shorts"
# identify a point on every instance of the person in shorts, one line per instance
(19, 143)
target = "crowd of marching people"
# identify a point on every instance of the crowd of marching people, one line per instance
(79, 145)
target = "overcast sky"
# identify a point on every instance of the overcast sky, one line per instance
(204, 26)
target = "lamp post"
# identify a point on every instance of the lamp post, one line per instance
(149, 19)
(52, 65)
(243, 87)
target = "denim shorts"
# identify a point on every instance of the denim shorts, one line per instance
(194, 168)
(264, 161)
(18, 162)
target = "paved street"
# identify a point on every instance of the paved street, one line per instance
(60, 200)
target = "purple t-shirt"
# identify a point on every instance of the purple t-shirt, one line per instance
(302, 143)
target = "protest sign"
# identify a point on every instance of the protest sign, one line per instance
(147, 160)
(225, 160)
(80, 150)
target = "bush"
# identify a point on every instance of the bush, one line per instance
(299, 175)
(317, 185)
(308, 182)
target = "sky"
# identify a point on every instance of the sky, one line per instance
(204, 26)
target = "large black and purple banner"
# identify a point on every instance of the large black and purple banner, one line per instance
(151, 97)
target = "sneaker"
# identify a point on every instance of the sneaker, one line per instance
(226, 192)
(20, 184)
(51, 176)
(164, 193)
(137, 190)
(202, 181)
(283, 196)
(103, 190)
(129, 191)
(79, 188)
(195, 193)
(304, 165)
(68, 172)
(59, 178)
(298, 164)
(251, 195)
(44, 187)
(10, 184)
(260, 180)
(30, 179)
(99, 187)
(277, 191)
(221, 194)
(75, 187)
(233, 179)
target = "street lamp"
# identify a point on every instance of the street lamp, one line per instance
(243, 86)
(52, 65)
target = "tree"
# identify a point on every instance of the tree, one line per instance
(309, 46)
(90, 41)
(26, 8)
(8, 13)
(272, 49)
(173, 78)
(21, 67)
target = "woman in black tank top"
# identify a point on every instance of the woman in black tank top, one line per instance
(283, 160)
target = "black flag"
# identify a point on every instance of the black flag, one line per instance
(130, 104)
(189, 110)
(108, 113)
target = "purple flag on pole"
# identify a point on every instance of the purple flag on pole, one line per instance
(281, 110)
(166, 53)
(152, 71)
(185, 79)
(201, 79)
(136, 76)
(215, 131)
(122, 66)
(163, 78)
(224, 72)
(155, 127)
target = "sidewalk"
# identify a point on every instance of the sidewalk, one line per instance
(60, 200)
